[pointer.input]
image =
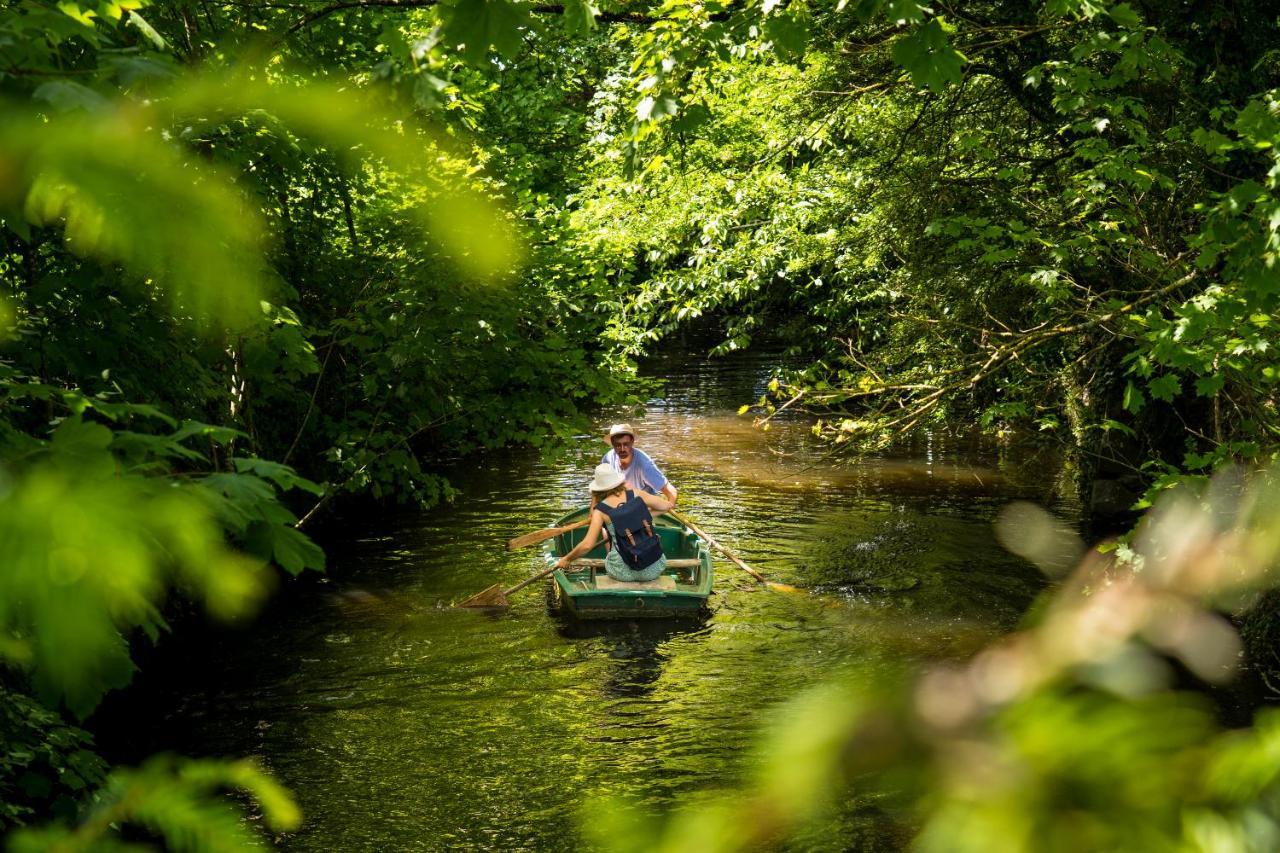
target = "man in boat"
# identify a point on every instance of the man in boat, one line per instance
(639, 471)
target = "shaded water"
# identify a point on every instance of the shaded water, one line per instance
(403, 724)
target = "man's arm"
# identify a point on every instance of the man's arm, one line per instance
(651, 475)
(654, 474)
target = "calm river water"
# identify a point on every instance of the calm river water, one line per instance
(400, 723)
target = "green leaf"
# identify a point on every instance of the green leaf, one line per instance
(216, 434)
(1124, 15)
(75, 435)
(1207, 386)
(1165, 388)
(1134, 399)
(691, 118)
(144, 447)
(118, 411)
(293, 551)
(928, 56)
(139, 23)
(904, 11)
(654, 107)
(282, 475)
(1109, 425)
(77, 12)
(478, 25)
(237, 499)
(789, 33)
(67, 96)
(580, 16)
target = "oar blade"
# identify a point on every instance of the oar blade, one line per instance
(530, 539)
(489, 597)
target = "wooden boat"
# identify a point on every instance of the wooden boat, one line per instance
(586, 592)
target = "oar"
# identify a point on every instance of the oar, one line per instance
(496, 596)
(737, 561)
(545, 534)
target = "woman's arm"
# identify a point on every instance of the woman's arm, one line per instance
(588, 541)
(655, 503)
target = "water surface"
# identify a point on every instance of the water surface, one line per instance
(401, 723)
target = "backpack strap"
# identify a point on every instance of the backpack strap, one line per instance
(604, 528)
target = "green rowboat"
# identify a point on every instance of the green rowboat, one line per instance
(586, 592)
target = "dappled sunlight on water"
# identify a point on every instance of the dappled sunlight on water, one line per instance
(403, 723)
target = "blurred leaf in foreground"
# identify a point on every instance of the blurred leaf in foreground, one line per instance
(90, 552)
(124, 189)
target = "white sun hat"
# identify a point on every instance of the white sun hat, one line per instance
(620, 429)
(606, 479)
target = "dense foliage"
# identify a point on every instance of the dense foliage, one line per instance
(258, 257)
(232, 290)
(1055, 217)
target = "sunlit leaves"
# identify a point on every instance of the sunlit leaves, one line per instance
(96, 540)
(1059, 728)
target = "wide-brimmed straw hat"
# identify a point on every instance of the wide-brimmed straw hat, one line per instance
(620, 429)
(606, 479)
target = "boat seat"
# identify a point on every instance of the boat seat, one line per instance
(603, 581)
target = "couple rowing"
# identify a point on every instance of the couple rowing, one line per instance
(626, 492)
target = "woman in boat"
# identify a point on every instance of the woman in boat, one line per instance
(611, 500)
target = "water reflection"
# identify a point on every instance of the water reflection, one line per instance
(788, 457)
(634, 649)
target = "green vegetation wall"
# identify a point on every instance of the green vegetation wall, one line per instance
(1052, 217)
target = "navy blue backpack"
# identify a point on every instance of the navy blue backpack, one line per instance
(636, 542)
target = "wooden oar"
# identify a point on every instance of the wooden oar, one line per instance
(734, 558)
(496, 596)
(545, 534)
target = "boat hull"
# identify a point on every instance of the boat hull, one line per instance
(681, 592)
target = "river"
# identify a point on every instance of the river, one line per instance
(402, 723)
